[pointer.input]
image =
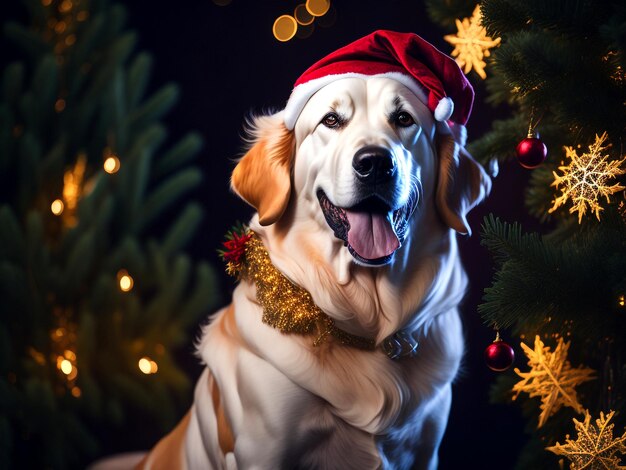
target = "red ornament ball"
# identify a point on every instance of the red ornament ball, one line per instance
(531, 152)
(499, 356)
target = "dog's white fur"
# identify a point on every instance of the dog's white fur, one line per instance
(289, 404)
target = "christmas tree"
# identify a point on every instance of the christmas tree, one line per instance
(559, 70)
(96, 293)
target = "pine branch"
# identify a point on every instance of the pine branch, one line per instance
(506, 241)
(502, 17)
(137, 79)
(446, 13)
(178, 155)
(571, 280)
(560, 69)
(501, 141)
(68, 105)
(540, 194)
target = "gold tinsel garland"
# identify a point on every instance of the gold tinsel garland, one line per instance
(286, 306)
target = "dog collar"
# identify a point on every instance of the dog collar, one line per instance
(290, 308)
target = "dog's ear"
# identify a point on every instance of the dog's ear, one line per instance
(463, 183)
(262, 177)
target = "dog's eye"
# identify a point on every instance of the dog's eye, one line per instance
(331, 120)
(404, 119)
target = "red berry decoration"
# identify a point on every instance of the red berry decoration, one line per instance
(234, 251)
(499, 355)
(531, 152)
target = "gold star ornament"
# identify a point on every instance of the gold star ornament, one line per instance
(595, 448)
(587, 178)
(471, 44)
(552, 378)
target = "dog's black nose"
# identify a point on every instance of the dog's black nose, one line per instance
(374, 164)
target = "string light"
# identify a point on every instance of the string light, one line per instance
(64, 337)
(38, 357)
(318, 7)
(59, 105)
(65, 6)
(285, 28)
(60, 27)
(126, 282)
(57, 207)
(73, 181)
(621, 300)
(65, 366)
(112, 164)
(148, 366)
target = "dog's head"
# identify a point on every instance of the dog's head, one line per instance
(365, 157)
(361, 155)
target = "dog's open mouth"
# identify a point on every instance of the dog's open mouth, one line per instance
(371, 230)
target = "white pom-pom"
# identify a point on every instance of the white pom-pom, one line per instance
(444, 109)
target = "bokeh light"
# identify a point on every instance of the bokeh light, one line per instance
(302, 15)
(59, 105)
(318, 7)
(66, 366)
(285, 28)
(126, 282)
(57, 207)
(112, 164)
(147, 366)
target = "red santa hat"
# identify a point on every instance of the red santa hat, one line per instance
(433, 76)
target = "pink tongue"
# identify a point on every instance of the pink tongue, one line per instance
(371, 235)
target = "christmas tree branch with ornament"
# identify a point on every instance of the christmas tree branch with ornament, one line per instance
(559, 69)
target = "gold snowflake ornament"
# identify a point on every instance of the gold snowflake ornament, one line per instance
(552, 378)
(595, 447)
(471, 44)
(587, 179)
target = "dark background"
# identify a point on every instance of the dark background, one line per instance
(228, 64)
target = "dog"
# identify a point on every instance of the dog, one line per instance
(359, 194)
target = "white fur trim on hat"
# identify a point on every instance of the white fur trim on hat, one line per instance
(303, 92)
(444, 109)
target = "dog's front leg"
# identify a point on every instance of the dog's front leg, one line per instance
(433, 428)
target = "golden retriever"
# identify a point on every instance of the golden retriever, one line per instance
(359, 204)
